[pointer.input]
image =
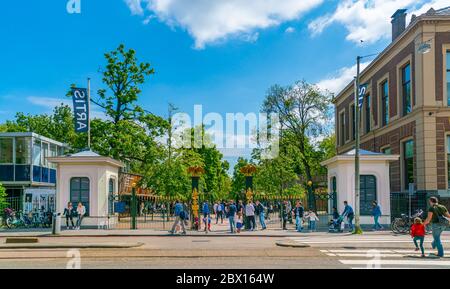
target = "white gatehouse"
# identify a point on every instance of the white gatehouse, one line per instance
(374, 179)
(91, 179)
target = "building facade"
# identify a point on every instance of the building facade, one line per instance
(29, 179)
(406, 110)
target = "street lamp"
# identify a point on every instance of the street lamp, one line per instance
(359, 94)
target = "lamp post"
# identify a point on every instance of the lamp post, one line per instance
(359, 93)
(311, 197)
(133, 207)
(248, 172)
(195, 172)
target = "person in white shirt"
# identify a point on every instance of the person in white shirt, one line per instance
(250, 214)
(81, 211)
(313, 219)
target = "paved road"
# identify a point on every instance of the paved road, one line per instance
(325, 251)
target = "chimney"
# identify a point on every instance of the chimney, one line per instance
(398, 23)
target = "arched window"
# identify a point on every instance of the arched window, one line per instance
(368, 193)
(79, 192)
(111, 195)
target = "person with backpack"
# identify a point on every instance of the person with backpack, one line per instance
(231, 212)
(438, 217)
(180, 216)
(259, 211)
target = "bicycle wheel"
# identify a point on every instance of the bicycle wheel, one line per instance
(9, 223)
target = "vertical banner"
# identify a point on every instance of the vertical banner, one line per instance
(361, 93)
(80, 109)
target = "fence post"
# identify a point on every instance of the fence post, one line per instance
(133, 208)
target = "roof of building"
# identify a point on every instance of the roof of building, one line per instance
(88, 156)
(88, 153)
(444, 11)
(362, 152)
(32, 134)
(364, 156)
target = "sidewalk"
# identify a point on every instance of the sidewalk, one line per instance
(276, 233)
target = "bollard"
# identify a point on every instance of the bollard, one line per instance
(56, 224)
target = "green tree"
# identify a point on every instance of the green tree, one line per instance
(303, 111)
(129, 132)
(3, 196)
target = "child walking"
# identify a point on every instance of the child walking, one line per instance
(239, 223)
(418, 235)
(313, 219)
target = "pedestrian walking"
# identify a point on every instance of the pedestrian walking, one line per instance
(284, 211)
(250, 214)
(438, 217)
(81, 212)
(349, 214)
(298, 213)
(259, 210)
(313, 219)
(376, 213)
(206, 216)
(418, 235)
(231, 213)
(69, 212)
(180, 216)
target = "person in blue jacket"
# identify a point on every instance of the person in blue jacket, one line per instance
(350, 214)
(376, 213)
(206, 214)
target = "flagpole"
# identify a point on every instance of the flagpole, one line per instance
(89, 113)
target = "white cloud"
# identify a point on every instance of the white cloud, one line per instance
(290, 30)
(209, 21)
(340, 79)
(135, 7)
(369, 20)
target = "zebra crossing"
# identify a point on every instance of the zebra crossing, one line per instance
(386, 259)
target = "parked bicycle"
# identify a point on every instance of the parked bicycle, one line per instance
(16, 219)
(403, 224)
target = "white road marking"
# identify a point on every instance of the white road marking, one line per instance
(399, 262)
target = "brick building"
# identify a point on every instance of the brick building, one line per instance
(406, 110)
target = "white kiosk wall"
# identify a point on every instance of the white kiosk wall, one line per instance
(98, 170)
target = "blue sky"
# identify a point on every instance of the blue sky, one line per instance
(222, 54)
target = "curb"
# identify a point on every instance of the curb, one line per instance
(71, 246)
(292, 245)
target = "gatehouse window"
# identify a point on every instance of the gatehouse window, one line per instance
(111, 194)
(79, 192)
(368, 193)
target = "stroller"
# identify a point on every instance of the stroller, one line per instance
(335, 226)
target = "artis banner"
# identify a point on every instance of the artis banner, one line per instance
(80, 109)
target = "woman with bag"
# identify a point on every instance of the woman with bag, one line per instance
(81, 211)
(439, 218)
